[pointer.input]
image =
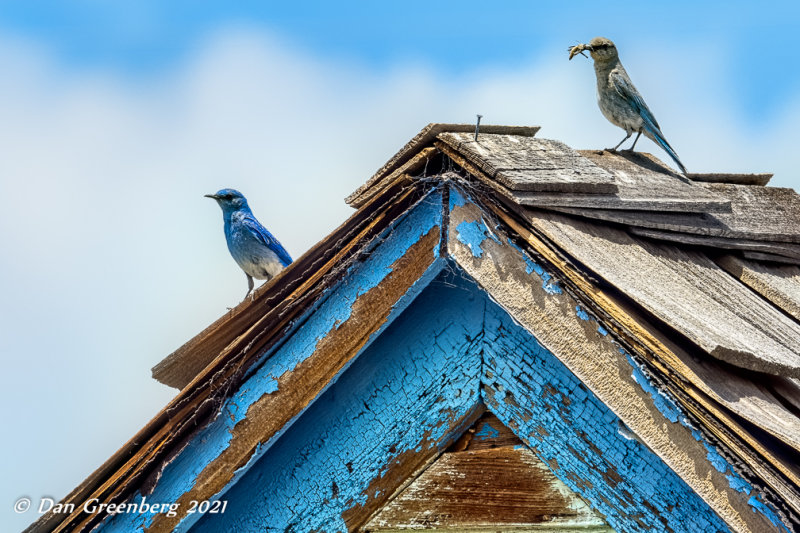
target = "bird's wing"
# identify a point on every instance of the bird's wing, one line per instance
(266, 238)
(625, 89)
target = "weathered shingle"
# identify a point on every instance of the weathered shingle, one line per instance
(531, 164)
(684, 289)
(712, 339)
(780, 284)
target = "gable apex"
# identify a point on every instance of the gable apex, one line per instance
(448, 294)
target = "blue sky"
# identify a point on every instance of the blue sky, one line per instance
(116, 118)
(143, 38)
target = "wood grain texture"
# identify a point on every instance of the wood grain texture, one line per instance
(625, 320)
(739, 179)
(524, 285)
(768, 214)
(686, 290)
(788, 251)
(644, 183)
(423, 139)
(778, 284)
(531, 164)
(491, 485)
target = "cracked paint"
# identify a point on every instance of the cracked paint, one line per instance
(410, 392)
(633, 488)
(398, 399)
(668, 407)
(179, 475)
(549, 283)
(472, 234)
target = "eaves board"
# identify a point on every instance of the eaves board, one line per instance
(538, 299)
(711, 391)
(232, 348)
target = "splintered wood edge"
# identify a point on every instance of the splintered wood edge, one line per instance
(178, 369)
(761, 282)
(423, 139)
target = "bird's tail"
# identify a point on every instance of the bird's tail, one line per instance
(657, 137)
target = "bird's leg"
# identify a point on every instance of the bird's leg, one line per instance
(634, 141)
(628, 136)
(250, 286)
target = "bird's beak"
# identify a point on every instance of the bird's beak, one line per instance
(212, 196)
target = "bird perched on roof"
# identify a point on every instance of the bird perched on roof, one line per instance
(619, 100)
(252, 246)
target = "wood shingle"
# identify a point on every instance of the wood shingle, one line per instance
(559, 338)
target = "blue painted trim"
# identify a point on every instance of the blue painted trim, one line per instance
(669, 408)
(424, 370)
(559, 419)
(179, 476)
(567, 426)
(446, 347)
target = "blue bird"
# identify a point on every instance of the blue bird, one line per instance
(619, 100)
(252, 246)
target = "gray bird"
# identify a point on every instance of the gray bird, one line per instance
(619, 100)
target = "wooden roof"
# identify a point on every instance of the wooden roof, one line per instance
(694, 283)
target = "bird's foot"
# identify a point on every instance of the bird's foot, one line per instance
(609, 150)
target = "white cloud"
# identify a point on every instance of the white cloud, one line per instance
(112, 257)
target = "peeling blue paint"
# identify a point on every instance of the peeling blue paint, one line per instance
(179, 476)
(578, 436)
(424, 369)
(582, 314)
(715, 458)
(456, 198)
(472, 234)
(739, 484)
(602, 331)
(549, 283)
(663, 403)
(767, 511)
(670, 410)
(487, 432)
